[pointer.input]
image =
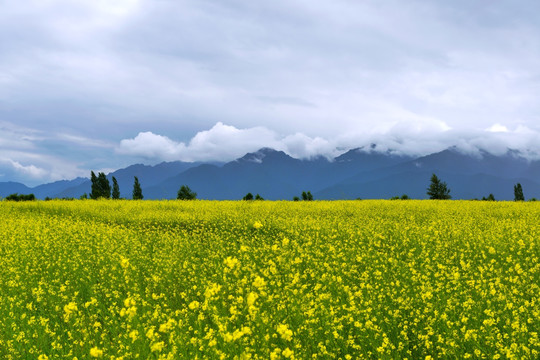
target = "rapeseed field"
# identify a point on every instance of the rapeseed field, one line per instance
(269, 280)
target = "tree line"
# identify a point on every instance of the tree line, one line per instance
(101, 188)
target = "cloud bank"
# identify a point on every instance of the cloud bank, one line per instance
(225, 143)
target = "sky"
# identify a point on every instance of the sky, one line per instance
(99, 85)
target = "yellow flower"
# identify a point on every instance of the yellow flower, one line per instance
(134, 335)
(231, 262)
(252, 297)
(157, 346)
(284, 331)
(288, 353)
(257, 225)
(194, 305)
(43, 357)
(70, 308)
(95, 352)
(259, 282)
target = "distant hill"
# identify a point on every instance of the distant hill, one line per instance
(467, 176)
(148, 176)
(358, 173)
(7, 188)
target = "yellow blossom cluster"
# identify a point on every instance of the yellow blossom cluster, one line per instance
(365, 279)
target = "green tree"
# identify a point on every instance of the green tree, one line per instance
(21, 197)
(518, 193)
(249, 196)
(296, 198)
(438, 190)
(94, 193)
(306, 196)
(185, 193)
(115, 189)
(100, 186)
(104, 185)
(258, 197)
(137, 191)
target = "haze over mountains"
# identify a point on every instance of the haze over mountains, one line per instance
(358, 173)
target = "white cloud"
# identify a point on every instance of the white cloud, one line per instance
(226, 143)
(31, 170)
(497, 128)
(25, 170)
(150, 145)
(223, 143)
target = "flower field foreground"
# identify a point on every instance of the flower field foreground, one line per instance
(269, 280)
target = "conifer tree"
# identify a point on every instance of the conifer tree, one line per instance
(115, 189)
(94, 193)
(438, 190)
(518, 193)
(100, 186)
(137, 191)
(104, 186)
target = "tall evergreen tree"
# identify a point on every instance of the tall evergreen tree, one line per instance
(518, 193)
(94, 193)
(115, 189)
(100, 186)
(137, 191)
(306, 196)
(438, 190)
(104, 185)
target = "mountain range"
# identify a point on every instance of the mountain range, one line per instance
(358, 173)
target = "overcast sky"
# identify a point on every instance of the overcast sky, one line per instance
(99, 84)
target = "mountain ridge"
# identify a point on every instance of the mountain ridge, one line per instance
(356, 173)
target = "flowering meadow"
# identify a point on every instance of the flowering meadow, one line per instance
(269, 280)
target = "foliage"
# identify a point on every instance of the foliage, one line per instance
(185, 193)
(438, 190)
(258, 197)
(296, 198)
(403, 197)
(273, 280)
(137, 191)
(115, 189)
(490, 197)
(101, 188)
(307, 196)
(518, 193)
(249, 196)
(20, 197)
